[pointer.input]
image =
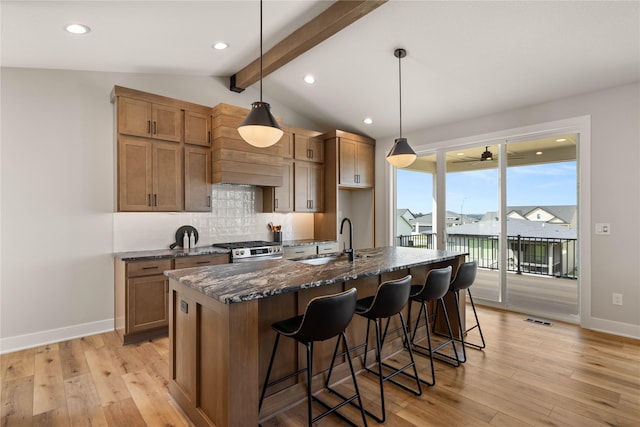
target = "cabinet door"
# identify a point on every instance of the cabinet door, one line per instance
(308, 148)
(365, 165)
(166, 123)
(135, 178)
(147, 303)
(197, 128)
(167, 177)
(286, 142)
(197, 179)
(283, 196)
(356, 161)
(347, 161)
(308, 186)
(316, 188)
(134, 117)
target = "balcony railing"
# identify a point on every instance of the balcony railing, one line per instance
(533, 255)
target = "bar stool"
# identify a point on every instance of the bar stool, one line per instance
(435, 288)
(389, 300)
(465, 276)
(325, 317)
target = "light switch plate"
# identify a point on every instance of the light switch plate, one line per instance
(603, 228)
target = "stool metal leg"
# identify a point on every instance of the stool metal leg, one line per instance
(345, 399)
(309, 376)
(477, 325)
(380, 374)
(266, 380)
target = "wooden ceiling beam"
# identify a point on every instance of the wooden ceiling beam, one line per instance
(337, 17)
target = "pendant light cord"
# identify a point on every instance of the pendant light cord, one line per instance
(260, 50)
(400, 86)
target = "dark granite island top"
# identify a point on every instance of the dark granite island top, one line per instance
(232, 283)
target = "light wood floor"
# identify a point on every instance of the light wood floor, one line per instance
(529, 374)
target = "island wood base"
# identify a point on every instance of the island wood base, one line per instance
(219, 353)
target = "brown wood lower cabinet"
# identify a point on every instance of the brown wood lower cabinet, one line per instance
(142, 294)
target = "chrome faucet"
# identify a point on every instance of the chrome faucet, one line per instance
(349, 251)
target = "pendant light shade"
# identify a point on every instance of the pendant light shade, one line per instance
(260, 128)
(401, 154)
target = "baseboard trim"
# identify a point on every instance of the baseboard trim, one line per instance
(612, 327)
(22, 342)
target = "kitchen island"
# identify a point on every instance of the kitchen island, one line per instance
(220, 317)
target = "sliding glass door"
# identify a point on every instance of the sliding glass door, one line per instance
(472, 213)
(512, 205)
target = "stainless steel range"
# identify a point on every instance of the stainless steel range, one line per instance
(256, 250)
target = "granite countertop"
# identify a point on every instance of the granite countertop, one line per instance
(169, 253)
(238, 282)
(305, 242)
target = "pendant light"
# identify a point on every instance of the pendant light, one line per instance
(260, 128)
(401, 154)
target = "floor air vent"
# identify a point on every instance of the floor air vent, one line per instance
(539, 321)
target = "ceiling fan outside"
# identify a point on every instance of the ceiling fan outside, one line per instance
(486, 156)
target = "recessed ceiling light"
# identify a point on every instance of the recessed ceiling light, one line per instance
(538, 153)
(220, 46)
(309, 79)
(77, 28)
(561, 139)
(368, 120)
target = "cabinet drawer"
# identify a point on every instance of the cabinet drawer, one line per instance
(148, 268)
(201, 261)
(299, 251)
(326, 248)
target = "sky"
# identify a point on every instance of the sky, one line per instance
(476, 192)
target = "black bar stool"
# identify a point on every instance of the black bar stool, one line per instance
(391, 297)
(435, 288)
(325, 317)
(465, 276)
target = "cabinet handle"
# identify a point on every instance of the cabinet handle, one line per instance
(208, 136)
(155, 200)
(202, 262)
(150, 268)
(155, 127)
(148, 199)
(148, 126)
(208, 201)
(276, 203)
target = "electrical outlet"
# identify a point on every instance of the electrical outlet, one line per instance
(617, 299)
(603, 228)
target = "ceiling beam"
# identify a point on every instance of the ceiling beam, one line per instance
(337, 17)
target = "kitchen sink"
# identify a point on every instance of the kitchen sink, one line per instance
(321, 260)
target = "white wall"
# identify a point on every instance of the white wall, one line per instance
(614, 197)
(58, 229)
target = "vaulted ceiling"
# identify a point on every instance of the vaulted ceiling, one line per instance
(465, 58)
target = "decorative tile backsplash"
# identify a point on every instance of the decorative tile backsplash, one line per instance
(236, 215)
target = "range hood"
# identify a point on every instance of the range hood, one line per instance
(237, 162)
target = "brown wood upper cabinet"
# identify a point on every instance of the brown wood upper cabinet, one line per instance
(356, 163)
(197, 128)
(142, 118)
(308, 147)
(308, 183)
(197, 179)
(149, 175)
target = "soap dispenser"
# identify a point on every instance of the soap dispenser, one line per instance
(192, 240)
(185, 240)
